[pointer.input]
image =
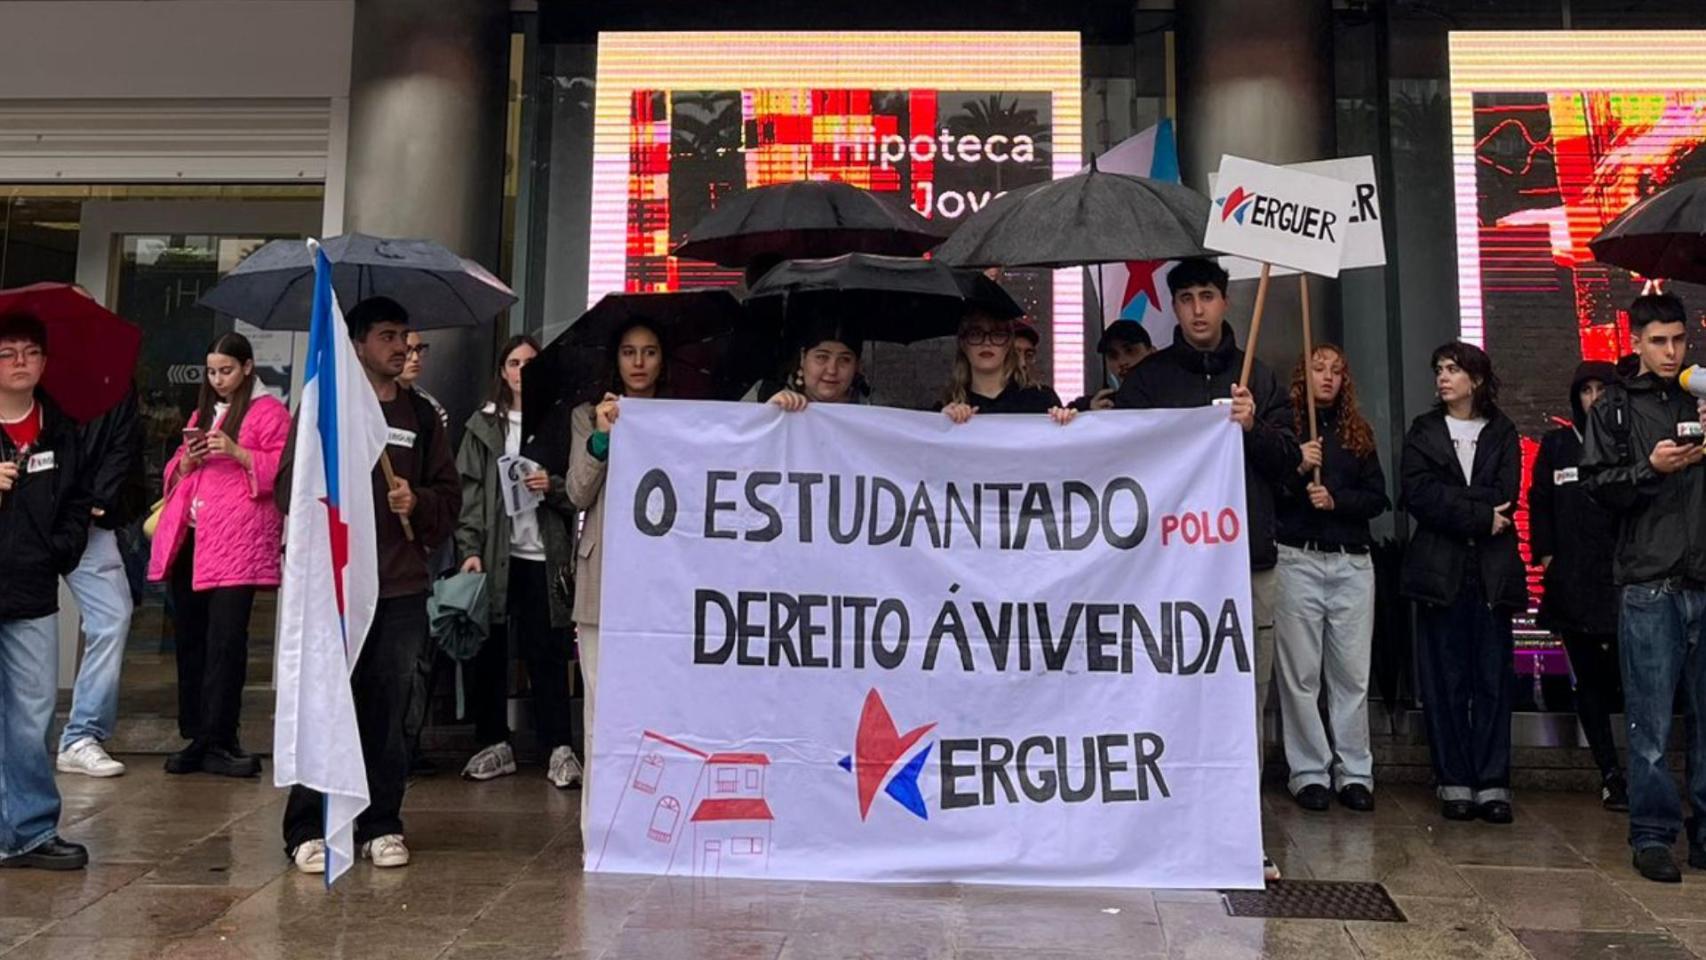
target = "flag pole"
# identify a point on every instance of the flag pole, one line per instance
(1308, 356)
(391, 484)
(1255, 326)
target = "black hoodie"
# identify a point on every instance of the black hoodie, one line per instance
(1564, 523)
(44, 518)
(1182, 376)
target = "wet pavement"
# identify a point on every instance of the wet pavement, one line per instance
(192, 868)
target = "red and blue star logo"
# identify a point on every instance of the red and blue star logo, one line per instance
(877, 750)
(1235, 204)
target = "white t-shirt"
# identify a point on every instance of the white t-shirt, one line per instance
(1465, 434)
(525, 542)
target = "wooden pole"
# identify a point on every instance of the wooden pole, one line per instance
(391, 484)
(1255, 326)
(1308, 356)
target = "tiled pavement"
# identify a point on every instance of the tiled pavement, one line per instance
(192, 869)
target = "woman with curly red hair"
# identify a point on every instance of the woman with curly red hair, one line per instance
(1324, 615)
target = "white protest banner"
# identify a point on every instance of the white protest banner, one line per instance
(1365, 240)
(1280, 216)
(862, 644)
(513, 471)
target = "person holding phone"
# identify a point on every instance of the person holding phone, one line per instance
(1461, 475)
(218, 542)
(526, 558)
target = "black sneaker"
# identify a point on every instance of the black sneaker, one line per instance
(1315, 798)
(1357, 797)
(56, 854)
(1656, 864)
(1614, 794)
(231, 762)
(187, 760)
(1495, 811)
(1457, 809)
(1697, 856)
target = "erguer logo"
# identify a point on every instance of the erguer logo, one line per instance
(877, 748)
(1272, 213)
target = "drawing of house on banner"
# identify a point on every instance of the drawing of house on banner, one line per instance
(676, 791)
(731, 826)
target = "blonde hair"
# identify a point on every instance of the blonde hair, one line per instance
(959, 383)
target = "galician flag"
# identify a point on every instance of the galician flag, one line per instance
(331, 575)
(1138, 290)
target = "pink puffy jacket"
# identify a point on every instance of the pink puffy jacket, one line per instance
(238, 530)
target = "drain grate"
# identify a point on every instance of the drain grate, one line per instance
(1315, 900)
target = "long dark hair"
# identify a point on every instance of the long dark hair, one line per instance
(1354, 432)
(1475, 362)
(237, 347)
(635, 323)
(502, 396)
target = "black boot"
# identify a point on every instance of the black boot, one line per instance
(187, 760)
(1614, 793)
(1655, 864)
(56, 854)
(231, 761)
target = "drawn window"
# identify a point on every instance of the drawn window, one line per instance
(752, 779)
(649, 773)
(664, 820)
(728, 780)
(748, 846)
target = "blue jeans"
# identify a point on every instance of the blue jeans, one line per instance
(103, 597)
(1660, 634)
(29, 681)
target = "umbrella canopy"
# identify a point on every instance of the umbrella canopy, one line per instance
(1088, 218)
(698, 329)
(807, 219)
(91, 350)
(888, 299)
(1662, 237)
(273, 287)
(458, 612)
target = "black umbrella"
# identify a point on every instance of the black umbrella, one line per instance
(273, 287)
(888, 299)
(1088, 218)
(1662, 237)
(698, 329)
(807, 219)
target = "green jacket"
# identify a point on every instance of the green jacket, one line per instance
(483, 529)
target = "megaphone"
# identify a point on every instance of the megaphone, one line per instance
(1693, 379)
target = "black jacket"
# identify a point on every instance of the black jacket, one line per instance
(1662, 519)
(1454, 518)
(44, 519)
(1182, 376)
(1016, 399)
(1357, 484)
(112, 454)
(1564, 523)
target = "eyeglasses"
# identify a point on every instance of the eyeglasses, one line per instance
(978, 335)
(28, 356)
(420, 350)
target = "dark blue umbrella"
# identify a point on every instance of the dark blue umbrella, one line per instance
(273, 287)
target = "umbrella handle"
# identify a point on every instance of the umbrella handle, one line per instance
(391, 481)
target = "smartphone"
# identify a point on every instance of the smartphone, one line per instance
(195, 437)
(1690, 431)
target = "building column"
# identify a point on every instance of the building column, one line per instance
(428, 85)
(1255, 80)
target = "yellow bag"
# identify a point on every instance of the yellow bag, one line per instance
(153, 522)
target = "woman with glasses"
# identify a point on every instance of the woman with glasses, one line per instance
(988, 377)
(525, 557)
(413, 367)
(217, 543)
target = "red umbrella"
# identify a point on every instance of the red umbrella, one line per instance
(91, 350)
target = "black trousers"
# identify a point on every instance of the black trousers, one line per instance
(385, 683)
(545, 650)
(213, 652)
(1465, 677)
(1599, 693)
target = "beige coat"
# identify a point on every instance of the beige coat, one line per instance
(586, 492)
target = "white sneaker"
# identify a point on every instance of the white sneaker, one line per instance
(310, 857)
(1270, 869)
(387, 851)
(565, 769)
(89, 758)
(497, 760)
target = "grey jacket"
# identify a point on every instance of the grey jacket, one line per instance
(586, 491)
(483, 529)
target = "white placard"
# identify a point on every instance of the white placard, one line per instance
(863, 644)
(513, 471)
(1280, 216)
(1365, 240)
